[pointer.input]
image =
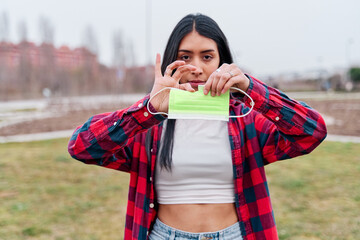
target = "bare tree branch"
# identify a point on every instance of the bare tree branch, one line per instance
(23, 31)
(4, 27)
(46, 30)
(90, 40)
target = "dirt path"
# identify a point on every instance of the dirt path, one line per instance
(342, 116)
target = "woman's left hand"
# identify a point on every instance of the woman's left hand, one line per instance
(226, 76)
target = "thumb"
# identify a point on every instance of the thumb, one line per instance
(187, 87)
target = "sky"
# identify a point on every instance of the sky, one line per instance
(266, 37)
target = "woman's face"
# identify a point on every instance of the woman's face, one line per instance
(201, 52)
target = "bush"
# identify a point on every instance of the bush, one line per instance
(355, 74)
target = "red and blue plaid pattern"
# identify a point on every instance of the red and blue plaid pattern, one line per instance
(279, 128)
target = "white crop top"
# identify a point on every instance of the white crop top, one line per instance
(202, 169)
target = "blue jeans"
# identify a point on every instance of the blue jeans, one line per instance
(161, 231)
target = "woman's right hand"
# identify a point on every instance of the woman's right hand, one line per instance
(161, 101)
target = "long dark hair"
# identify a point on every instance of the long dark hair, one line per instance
(206, 27)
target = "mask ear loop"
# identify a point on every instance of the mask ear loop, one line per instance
(147, 105)
(252, 103)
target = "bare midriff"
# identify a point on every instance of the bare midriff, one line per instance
(198, 218)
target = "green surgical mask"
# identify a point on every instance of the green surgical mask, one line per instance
(196, 105)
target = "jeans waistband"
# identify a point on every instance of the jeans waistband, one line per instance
(165, 231)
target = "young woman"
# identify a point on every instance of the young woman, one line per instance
(199, 179)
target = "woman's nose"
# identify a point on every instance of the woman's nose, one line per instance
(198, 69)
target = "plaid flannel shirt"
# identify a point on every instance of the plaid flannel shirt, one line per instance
(279, 128)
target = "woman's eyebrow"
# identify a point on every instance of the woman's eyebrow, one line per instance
(204, 51)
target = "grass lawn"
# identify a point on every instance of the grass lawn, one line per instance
(44, 194)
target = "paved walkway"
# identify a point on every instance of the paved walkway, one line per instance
(37, 136)
(339, 138)
(68, 133)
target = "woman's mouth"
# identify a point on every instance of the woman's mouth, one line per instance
(195, 83)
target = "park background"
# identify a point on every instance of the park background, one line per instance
(62, 62)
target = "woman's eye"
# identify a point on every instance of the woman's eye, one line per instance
(207, 57)
(185, 57)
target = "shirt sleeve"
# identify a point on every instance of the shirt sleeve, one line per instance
(286, 128)
(107, 139)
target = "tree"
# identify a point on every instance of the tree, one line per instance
(5, 74)
(123, 52)
(4, 27)
(130, 54)
(119, 49)
(90, 40)
(355, 74)
(25, 70)
(88, 77)
(47, 78)
(46, 30)
(22, 30)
